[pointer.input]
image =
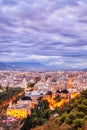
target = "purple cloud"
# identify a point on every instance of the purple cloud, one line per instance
(44, 28)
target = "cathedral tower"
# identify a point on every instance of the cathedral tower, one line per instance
(70, 82)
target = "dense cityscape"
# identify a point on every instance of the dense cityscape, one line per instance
(33, 85)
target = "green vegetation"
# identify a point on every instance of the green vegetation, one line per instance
(49, 93)
(31, 85)
(26, 98)
(71, 116)
(57, 98)
(39, 115)
(75, 113)
(9, 93)
(6, 95)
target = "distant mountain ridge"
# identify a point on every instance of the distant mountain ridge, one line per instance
(33, 66)
(22, 66)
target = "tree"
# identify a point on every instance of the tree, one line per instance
(65, 91)
(49, 93)
(40, 98)
(82, 107)
(38, 115)
(69, 118)
(26, 98)
(56, 110)
(62, 118)
(57, 98)
(27, 124)
(7, 88)
(48, 114)
(31, 85)
(84, 102)
(80, 115)
(78, 123)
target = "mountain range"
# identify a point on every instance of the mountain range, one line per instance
(23, 66)
(32, 66)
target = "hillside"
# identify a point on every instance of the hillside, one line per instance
(72, 116)
(22, 66)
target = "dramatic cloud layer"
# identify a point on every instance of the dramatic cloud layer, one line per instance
(53, 32)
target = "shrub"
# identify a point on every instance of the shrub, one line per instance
(78, 123)
(85, 102)
(69, 119)
(68, 110)
(62, 118)
(85, 117)
(79, 115)
(82, 108)
(42, 121)
(48, 114)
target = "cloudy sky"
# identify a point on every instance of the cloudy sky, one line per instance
(52, 32)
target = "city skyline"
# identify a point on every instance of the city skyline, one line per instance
(52, 33)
